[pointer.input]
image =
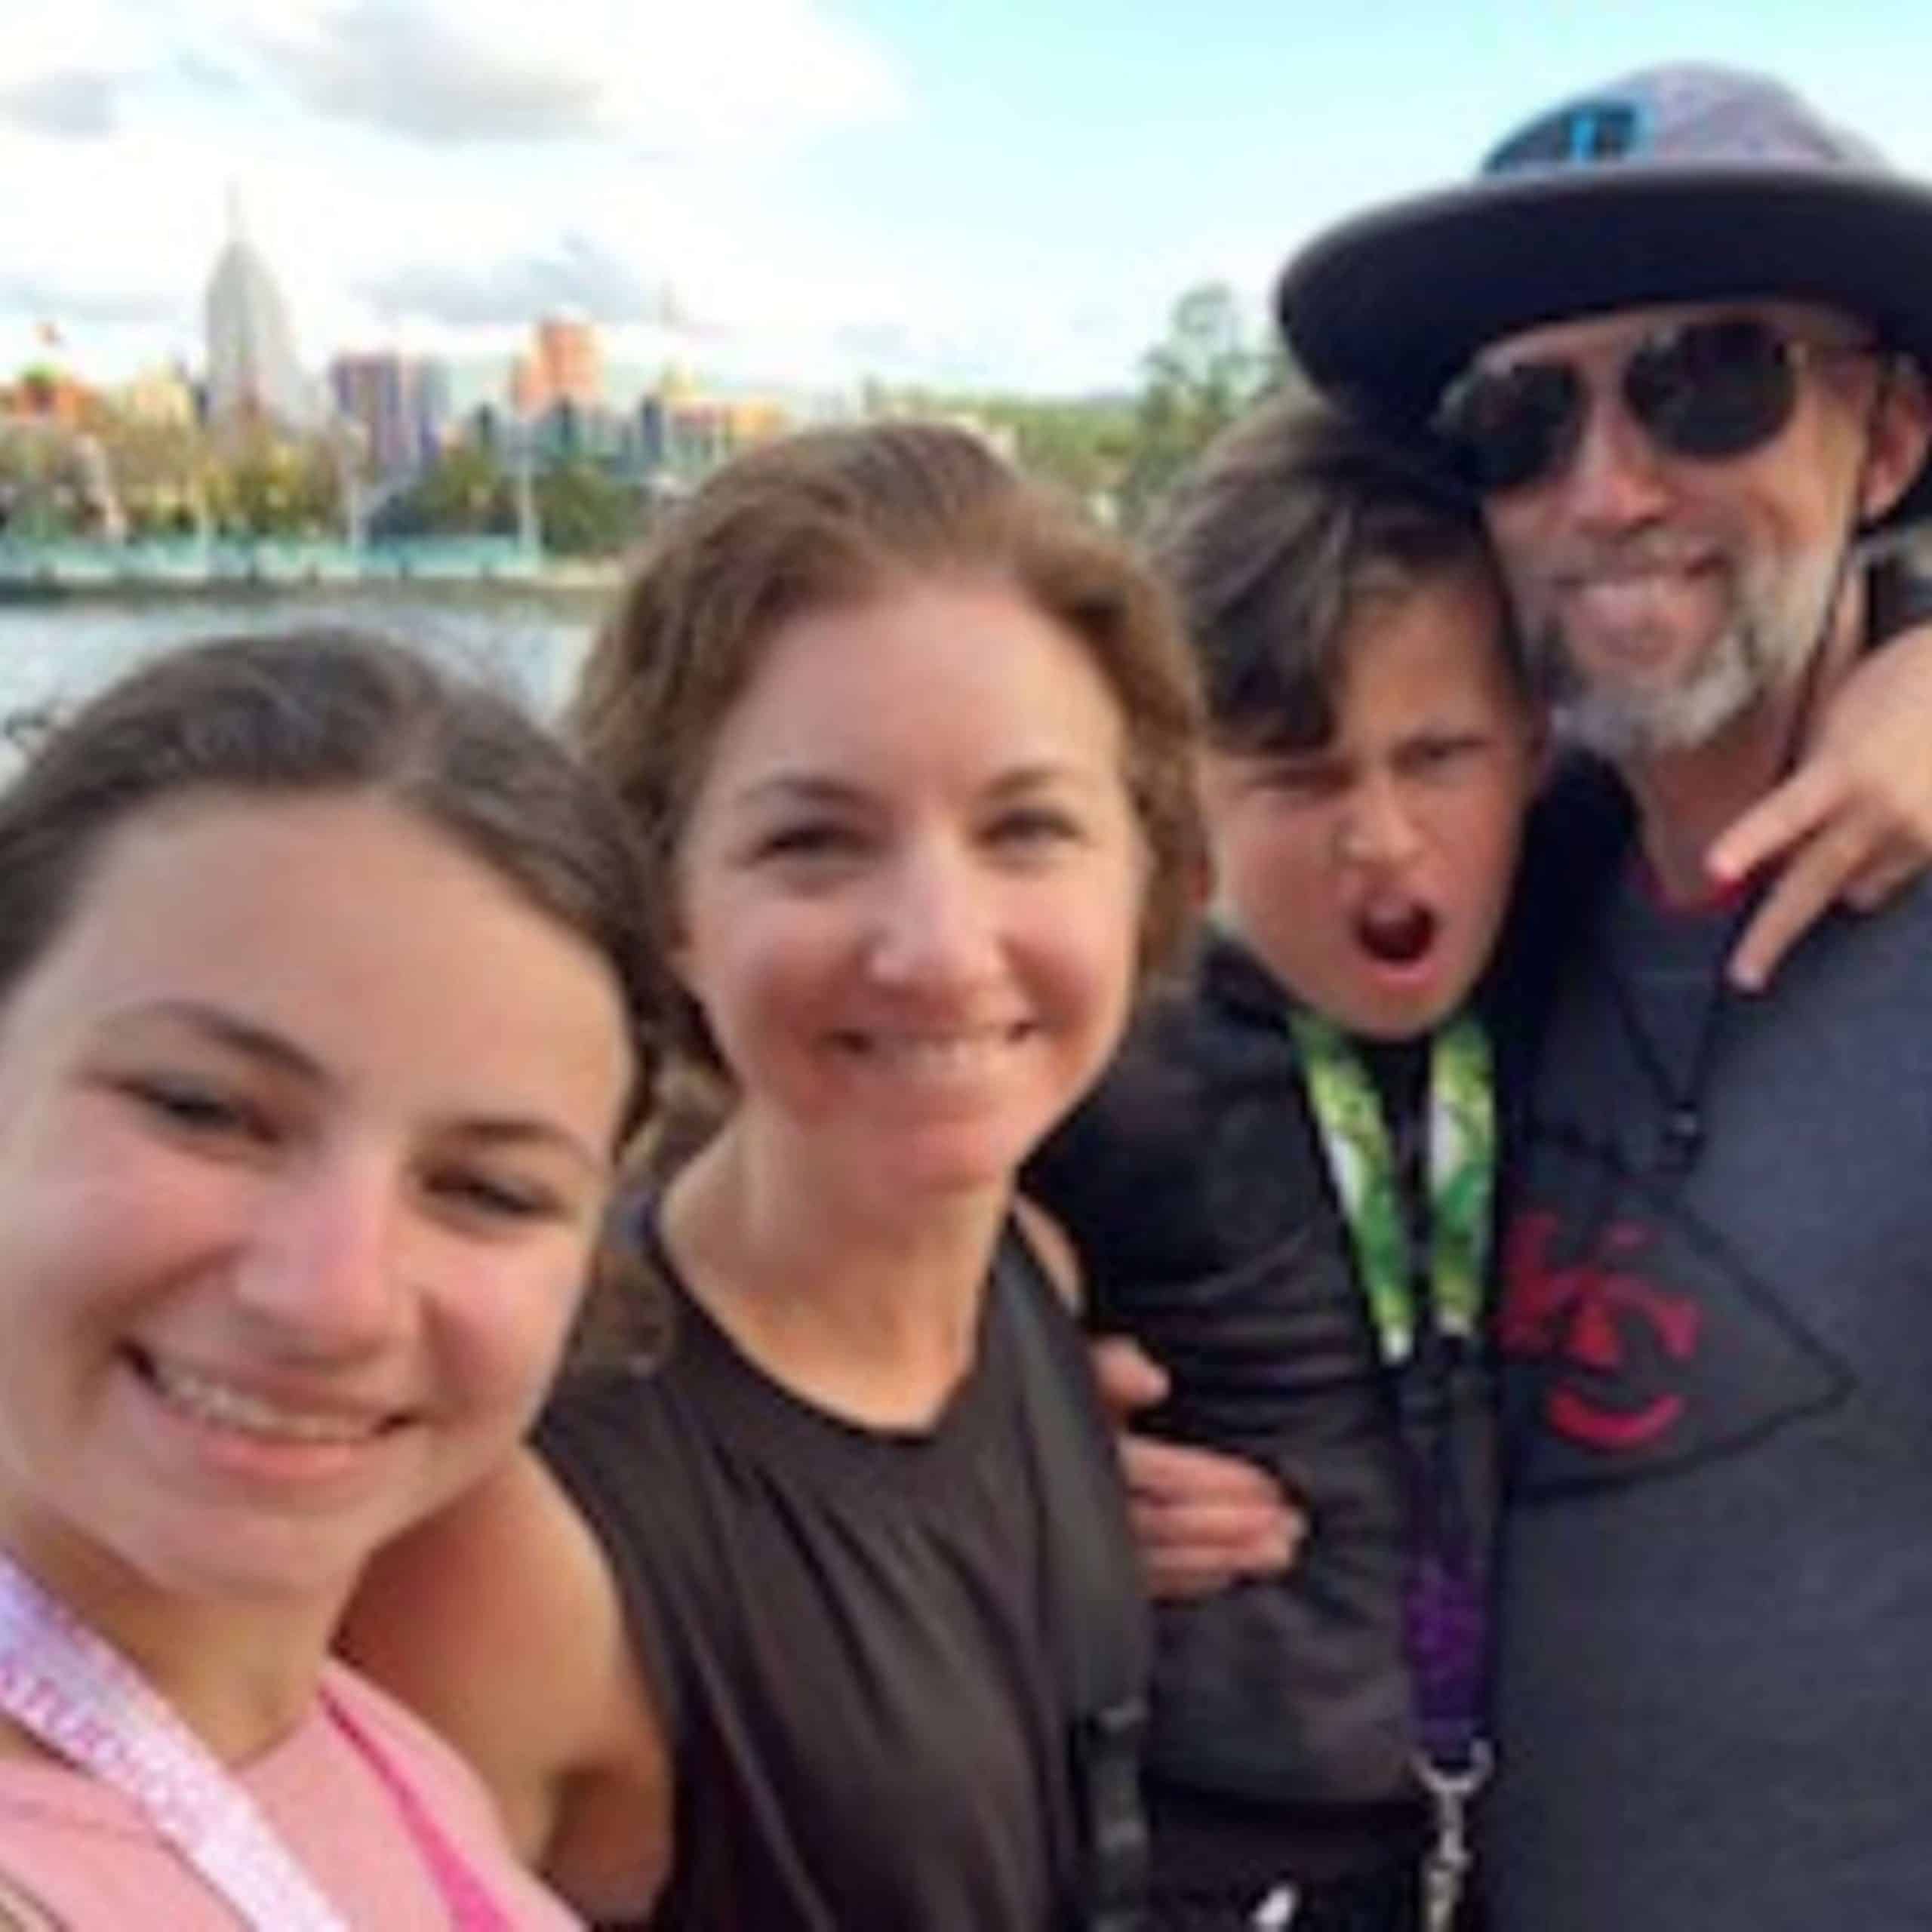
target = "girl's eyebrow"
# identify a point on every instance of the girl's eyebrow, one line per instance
(229, 1030)
(522, 1130)
(271, 1049)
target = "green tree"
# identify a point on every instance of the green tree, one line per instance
(1083, 444)
(465, 492)
(291, 494)
(582, 512)
(263, 484)
(36, 501)
(1206, 371)
(1079, 444)
(159, 472)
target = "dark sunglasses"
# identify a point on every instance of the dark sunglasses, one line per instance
(1707, 389)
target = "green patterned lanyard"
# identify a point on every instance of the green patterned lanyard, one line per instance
(1361, 1160)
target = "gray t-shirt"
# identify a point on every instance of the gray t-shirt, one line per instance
(1714, 1684)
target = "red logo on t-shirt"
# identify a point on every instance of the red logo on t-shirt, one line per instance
(1583, 1320)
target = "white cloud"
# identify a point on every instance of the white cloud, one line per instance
(579, 274)
(414, 72)
(493, 71)
(71, 101)
(659, 73)
(68, 65)
(79, 301)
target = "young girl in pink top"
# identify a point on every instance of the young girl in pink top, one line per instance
(317, 976)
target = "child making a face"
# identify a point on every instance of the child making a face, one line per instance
(1283, 1190)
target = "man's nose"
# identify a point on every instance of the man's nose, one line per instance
(1614, 480)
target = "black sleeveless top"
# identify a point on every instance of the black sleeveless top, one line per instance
(849, 1632)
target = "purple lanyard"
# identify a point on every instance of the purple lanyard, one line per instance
(66, 1685)
(1425, 1359)
(1445, 1637)
(1445, 1619)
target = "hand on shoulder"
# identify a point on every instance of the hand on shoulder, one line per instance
(1853, 825)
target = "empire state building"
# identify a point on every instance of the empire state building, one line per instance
(253, 374)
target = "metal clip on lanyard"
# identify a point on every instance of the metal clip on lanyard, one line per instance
(1444, 1617)
(1445, 1866)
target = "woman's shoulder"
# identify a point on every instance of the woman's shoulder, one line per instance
(434, 1779)
(499, 1621)
(434, 1770)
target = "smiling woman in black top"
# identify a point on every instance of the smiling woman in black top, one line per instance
(777, 1633)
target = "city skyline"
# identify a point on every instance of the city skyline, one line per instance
(249, 363)
(248, 358)
(250, 377)
(799, 192)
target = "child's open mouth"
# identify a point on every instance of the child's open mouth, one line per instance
(1396, 934)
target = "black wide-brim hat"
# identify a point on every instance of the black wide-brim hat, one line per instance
(1680, 185)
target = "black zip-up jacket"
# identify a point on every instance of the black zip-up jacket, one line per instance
(1194, 1185)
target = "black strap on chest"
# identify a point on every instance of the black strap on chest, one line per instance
(1094, 1597)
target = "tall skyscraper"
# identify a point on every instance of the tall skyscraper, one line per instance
(401, 405)
(434, 409)
(253, 374)
(565, 364)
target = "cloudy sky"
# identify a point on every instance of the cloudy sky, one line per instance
(967, 192)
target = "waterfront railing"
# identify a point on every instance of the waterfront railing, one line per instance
(189, 562)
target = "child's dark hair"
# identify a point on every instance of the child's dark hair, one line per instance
(311, 713)
(1296, 517)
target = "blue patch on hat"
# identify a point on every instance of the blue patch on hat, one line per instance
(1689, 115)
(1603, 128)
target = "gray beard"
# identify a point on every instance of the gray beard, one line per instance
(1769, 640)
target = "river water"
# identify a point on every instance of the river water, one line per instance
(530, 640)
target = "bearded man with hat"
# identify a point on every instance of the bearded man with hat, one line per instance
(1677, 335)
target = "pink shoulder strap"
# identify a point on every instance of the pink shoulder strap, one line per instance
(472, 1907)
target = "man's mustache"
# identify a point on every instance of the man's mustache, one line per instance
(1626, 558)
